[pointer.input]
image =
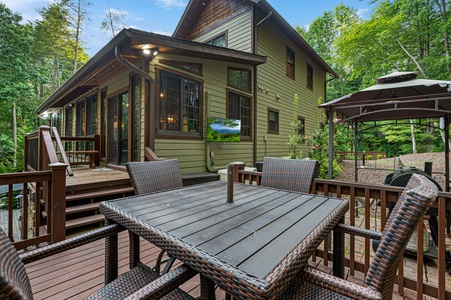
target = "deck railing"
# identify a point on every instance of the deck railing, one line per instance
(368, 199)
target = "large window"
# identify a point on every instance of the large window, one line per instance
(91, 115)
(273, 121)
(68, 122)
(290, 63)
(80, 119)
(239, 78)
(179, 105)
(56, 121)
(239, 107)
(309, 77)
(136, 90)
(220, 40)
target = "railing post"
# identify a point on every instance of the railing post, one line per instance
(237, 166)
(58, 202)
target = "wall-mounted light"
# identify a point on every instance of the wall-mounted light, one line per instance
(277, 96)
(152, 52)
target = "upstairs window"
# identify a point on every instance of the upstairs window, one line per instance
(273, 121)
(309, 77)
(239, 78)
(179, 104)
(290, 63)
(239, 108)
(220, 40)
(194, 68)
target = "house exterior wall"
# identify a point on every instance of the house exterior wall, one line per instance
(191, 153)
(238, 31)
(273, 81)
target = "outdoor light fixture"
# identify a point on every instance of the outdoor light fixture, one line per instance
(152, 52)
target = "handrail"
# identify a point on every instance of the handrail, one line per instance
(63, 152)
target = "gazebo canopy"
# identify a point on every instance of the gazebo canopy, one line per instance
(396, 96)
(399, 95)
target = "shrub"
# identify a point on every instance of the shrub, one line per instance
(369, 157)
(379, 156)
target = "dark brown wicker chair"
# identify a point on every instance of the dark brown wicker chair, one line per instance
(289, 174)
(140, 282)
(154, 176)
(311, 283)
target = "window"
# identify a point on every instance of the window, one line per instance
(103, 107)
(239, 108)
(220, 40)
(68, 123)
(309, 77)
(56, 121)
(179, 105)
(239, 78)
(273, 121)
(136, 89)
(301, 129)
(290, 63)
(80, 119)
(91, 115)
(194, 68)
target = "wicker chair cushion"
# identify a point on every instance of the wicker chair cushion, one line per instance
(289, 174)
(154, 176)
(314, 284)
(14, 282)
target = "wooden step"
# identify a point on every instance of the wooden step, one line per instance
(84, 221)
(81, 208)
(101, 193)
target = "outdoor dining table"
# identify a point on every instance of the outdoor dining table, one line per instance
(251, 248)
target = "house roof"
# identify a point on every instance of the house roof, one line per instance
(130, 42)
(194, 8)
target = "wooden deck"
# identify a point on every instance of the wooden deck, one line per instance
(79, 272)
(85, 175)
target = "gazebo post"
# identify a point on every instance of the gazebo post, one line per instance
(331, 142)
(447, 152)
(356, 150)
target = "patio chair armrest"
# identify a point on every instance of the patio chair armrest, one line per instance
(74, 242)
(338, 285)
(165, 284)
(375, 235)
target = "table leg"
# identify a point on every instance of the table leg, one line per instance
(134, 249)
(339, 254)
(111, 258)
(207, 288)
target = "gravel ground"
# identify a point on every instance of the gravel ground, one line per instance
(372, 172)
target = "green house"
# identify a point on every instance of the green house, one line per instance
(227, 59)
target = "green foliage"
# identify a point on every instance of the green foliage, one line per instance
(4, 203)
(369, 157)
(379, 156)
(318, 143)
(296, 138)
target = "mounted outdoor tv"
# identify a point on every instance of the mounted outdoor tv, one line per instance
(223, 130)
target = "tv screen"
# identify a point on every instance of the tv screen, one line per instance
(223, 130)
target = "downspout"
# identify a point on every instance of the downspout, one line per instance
(255, 51)
(146, 76)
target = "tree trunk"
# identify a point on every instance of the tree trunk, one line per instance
(15, 134)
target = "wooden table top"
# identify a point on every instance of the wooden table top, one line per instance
(256, 241)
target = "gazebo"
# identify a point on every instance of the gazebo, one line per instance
(396, 96)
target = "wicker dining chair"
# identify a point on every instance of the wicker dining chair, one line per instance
(154, 176)
(411, 206)
(289, 174)
(140, 282)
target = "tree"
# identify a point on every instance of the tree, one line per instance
(79, 15)
(113, 21)
(15, 93)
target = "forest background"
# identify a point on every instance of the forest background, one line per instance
(400, 35)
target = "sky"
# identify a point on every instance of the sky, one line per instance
(162, 16)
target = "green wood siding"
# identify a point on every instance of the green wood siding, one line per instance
(239, 32)
(192, 154)
(272, 78)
